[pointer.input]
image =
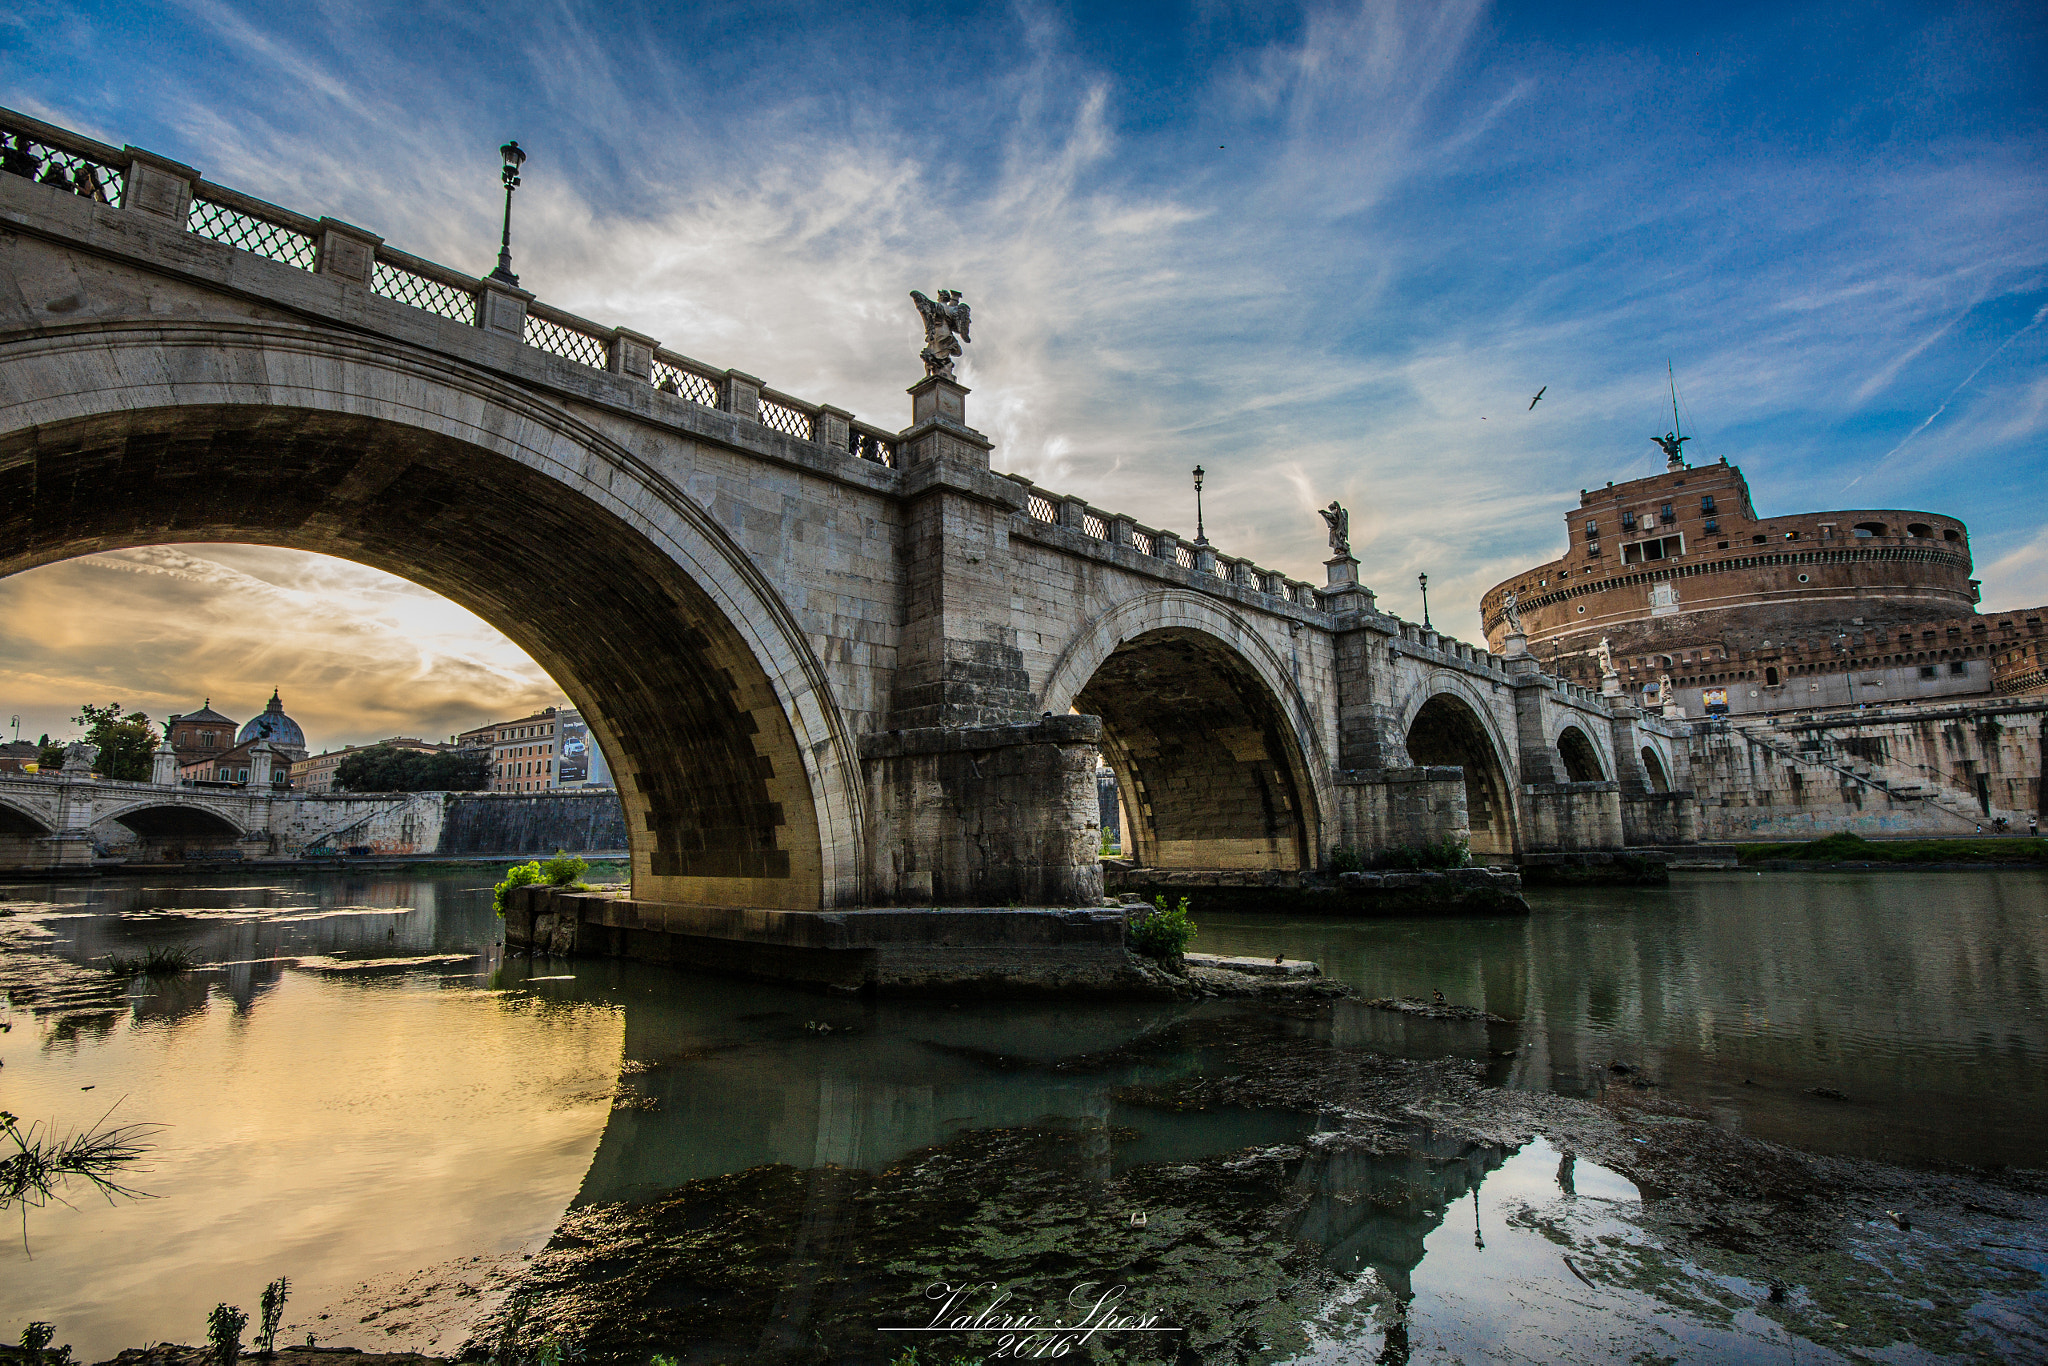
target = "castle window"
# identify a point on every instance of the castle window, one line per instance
(1720, 545)
(1919, 529)
(1707, 504)
(1665, 514)
(1927, 671)
(1758, 540)
(1958, 667)
(1770, 678)
(1869, 529)
(1951, 534)
(1592, 529)
(1628, 521)
(1712, 526)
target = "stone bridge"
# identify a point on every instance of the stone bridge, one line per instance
(74, 818)
(834, 663)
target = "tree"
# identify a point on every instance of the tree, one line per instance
(126, 742)
(387, 768)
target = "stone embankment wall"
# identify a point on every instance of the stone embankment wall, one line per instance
(1936, 772)
(532, 823)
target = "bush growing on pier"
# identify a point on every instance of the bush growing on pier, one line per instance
(1161, 932)
(563, 870)
(1452, 851)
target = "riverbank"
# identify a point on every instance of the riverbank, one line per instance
(1653, 1225)
(1853, 851)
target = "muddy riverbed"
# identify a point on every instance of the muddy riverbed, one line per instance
(454, 1153)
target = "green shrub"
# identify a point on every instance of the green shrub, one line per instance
(1452, 851)
(1345, 859)
(564, 870)
(224, 1330)
(1159, 932)
(518, 875)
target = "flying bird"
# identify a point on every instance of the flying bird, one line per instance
(1539, 397)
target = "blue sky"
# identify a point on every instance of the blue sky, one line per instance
(1324, 252)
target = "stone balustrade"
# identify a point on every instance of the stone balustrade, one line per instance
(140, 181)
(1116, 529)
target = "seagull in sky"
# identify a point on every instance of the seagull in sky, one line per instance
(1539, 397)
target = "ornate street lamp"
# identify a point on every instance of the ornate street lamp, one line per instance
(1201, 536)
(514, 158)
(1423, 579)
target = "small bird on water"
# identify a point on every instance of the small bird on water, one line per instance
(1439, 997)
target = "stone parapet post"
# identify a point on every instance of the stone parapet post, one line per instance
(740, 394)
(347, 252)
(1074, 514)
(986, 815)
(1121, 529)
(631, 354)
(158, 186)
(501, 308)
(1166, 545)
(833, 428)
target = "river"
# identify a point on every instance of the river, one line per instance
(358, 1089)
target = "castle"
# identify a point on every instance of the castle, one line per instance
(1734, 614)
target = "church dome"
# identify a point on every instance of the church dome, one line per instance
(273, 726)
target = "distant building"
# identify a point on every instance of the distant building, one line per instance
(523, 757)
(210, 750)
(315, 774)
(200, 733)
(16, 753)
(1747, 615)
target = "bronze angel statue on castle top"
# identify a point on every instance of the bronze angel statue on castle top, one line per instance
(946, 320)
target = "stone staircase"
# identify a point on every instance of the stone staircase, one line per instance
(1927, 787)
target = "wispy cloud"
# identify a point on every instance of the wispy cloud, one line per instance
(1324, 253)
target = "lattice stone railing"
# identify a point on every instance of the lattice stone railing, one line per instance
(79, 165)
(251, 226)
(23, 153)
(1075, 515)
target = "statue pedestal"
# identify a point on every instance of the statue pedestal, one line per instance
(1514, 645)
(935, 396)
(1610, 685)
(1344, 592)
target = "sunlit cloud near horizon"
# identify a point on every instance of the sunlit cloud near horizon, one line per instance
(1325, 252)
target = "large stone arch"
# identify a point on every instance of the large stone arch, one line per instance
(739, 778)
(156, 818)
(1582, 762)
(24, 820)
(1655, 770)
(1214, 749)
(1447, 725)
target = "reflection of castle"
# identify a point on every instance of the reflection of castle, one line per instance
(1753, 614)
(208, 748)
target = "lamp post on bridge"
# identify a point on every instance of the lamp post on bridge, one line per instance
(513, 158)
(1423, 579)
(1201, 535)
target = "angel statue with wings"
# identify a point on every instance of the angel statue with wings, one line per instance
(1606, 658)
(1339, 522)
(946, 320)
(1511, 612)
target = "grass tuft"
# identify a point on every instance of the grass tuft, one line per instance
(158, 961)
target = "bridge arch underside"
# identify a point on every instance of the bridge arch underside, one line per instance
(1581, 759)
(1205, 761)
(1447, 731)
(718, 804)
(175, 824)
